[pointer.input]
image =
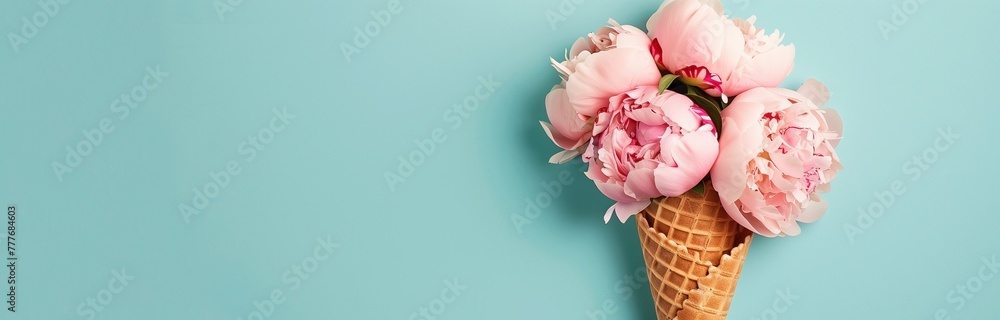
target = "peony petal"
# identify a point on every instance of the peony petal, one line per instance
(579, 46)
(561, 68)
(564, 156)
(632, 37)
(677, 108)
(648, 135)
(624, 210)
(788, 163)
(563, 117)
(813, 211)
(764, 218)
(666, 143)
(728, 61)
(791, 228)
(815, 91)
(607, 214)
(747, 109)
(559, 139)
(641, 184)
(767, 69)
(670, 181)
(609, 73)
(756, 227)
(729, 175)
(694, 154)
(648, 116)
(715, 5)
(594, 169)
(685, 32)
(834, 124)
(614, 191)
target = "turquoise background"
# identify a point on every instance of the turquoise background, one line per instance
(323, 175)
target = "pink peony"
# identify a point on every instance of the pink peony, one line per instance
(649, 146)
(568, 129)
(777, 155)
(692, 34)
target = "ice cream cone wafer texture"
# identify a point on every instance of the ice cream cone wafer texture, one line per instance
(694, 253)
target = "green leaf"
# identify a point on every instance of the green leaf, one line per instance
(710, 105)
(699, 188)
(666, 81)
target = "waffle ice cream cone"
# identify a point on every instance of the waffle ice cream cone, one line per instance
(694, 253)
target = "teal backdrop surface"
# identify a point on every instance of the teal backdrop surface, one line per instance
(229, 160)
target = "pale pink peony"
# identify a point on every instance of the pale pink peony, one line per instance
(568, 129)
(648, 146)
(776, 157)
(694, 34)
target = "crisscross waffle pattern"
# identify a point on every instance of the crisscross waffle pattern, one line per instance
(695, 221)
(692, 257)
(715, 291)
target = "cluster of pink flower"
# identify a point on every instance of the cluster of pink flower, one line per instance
(655, 113)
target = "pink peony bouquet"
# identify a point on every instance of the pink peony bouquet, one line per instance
(687, 119)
